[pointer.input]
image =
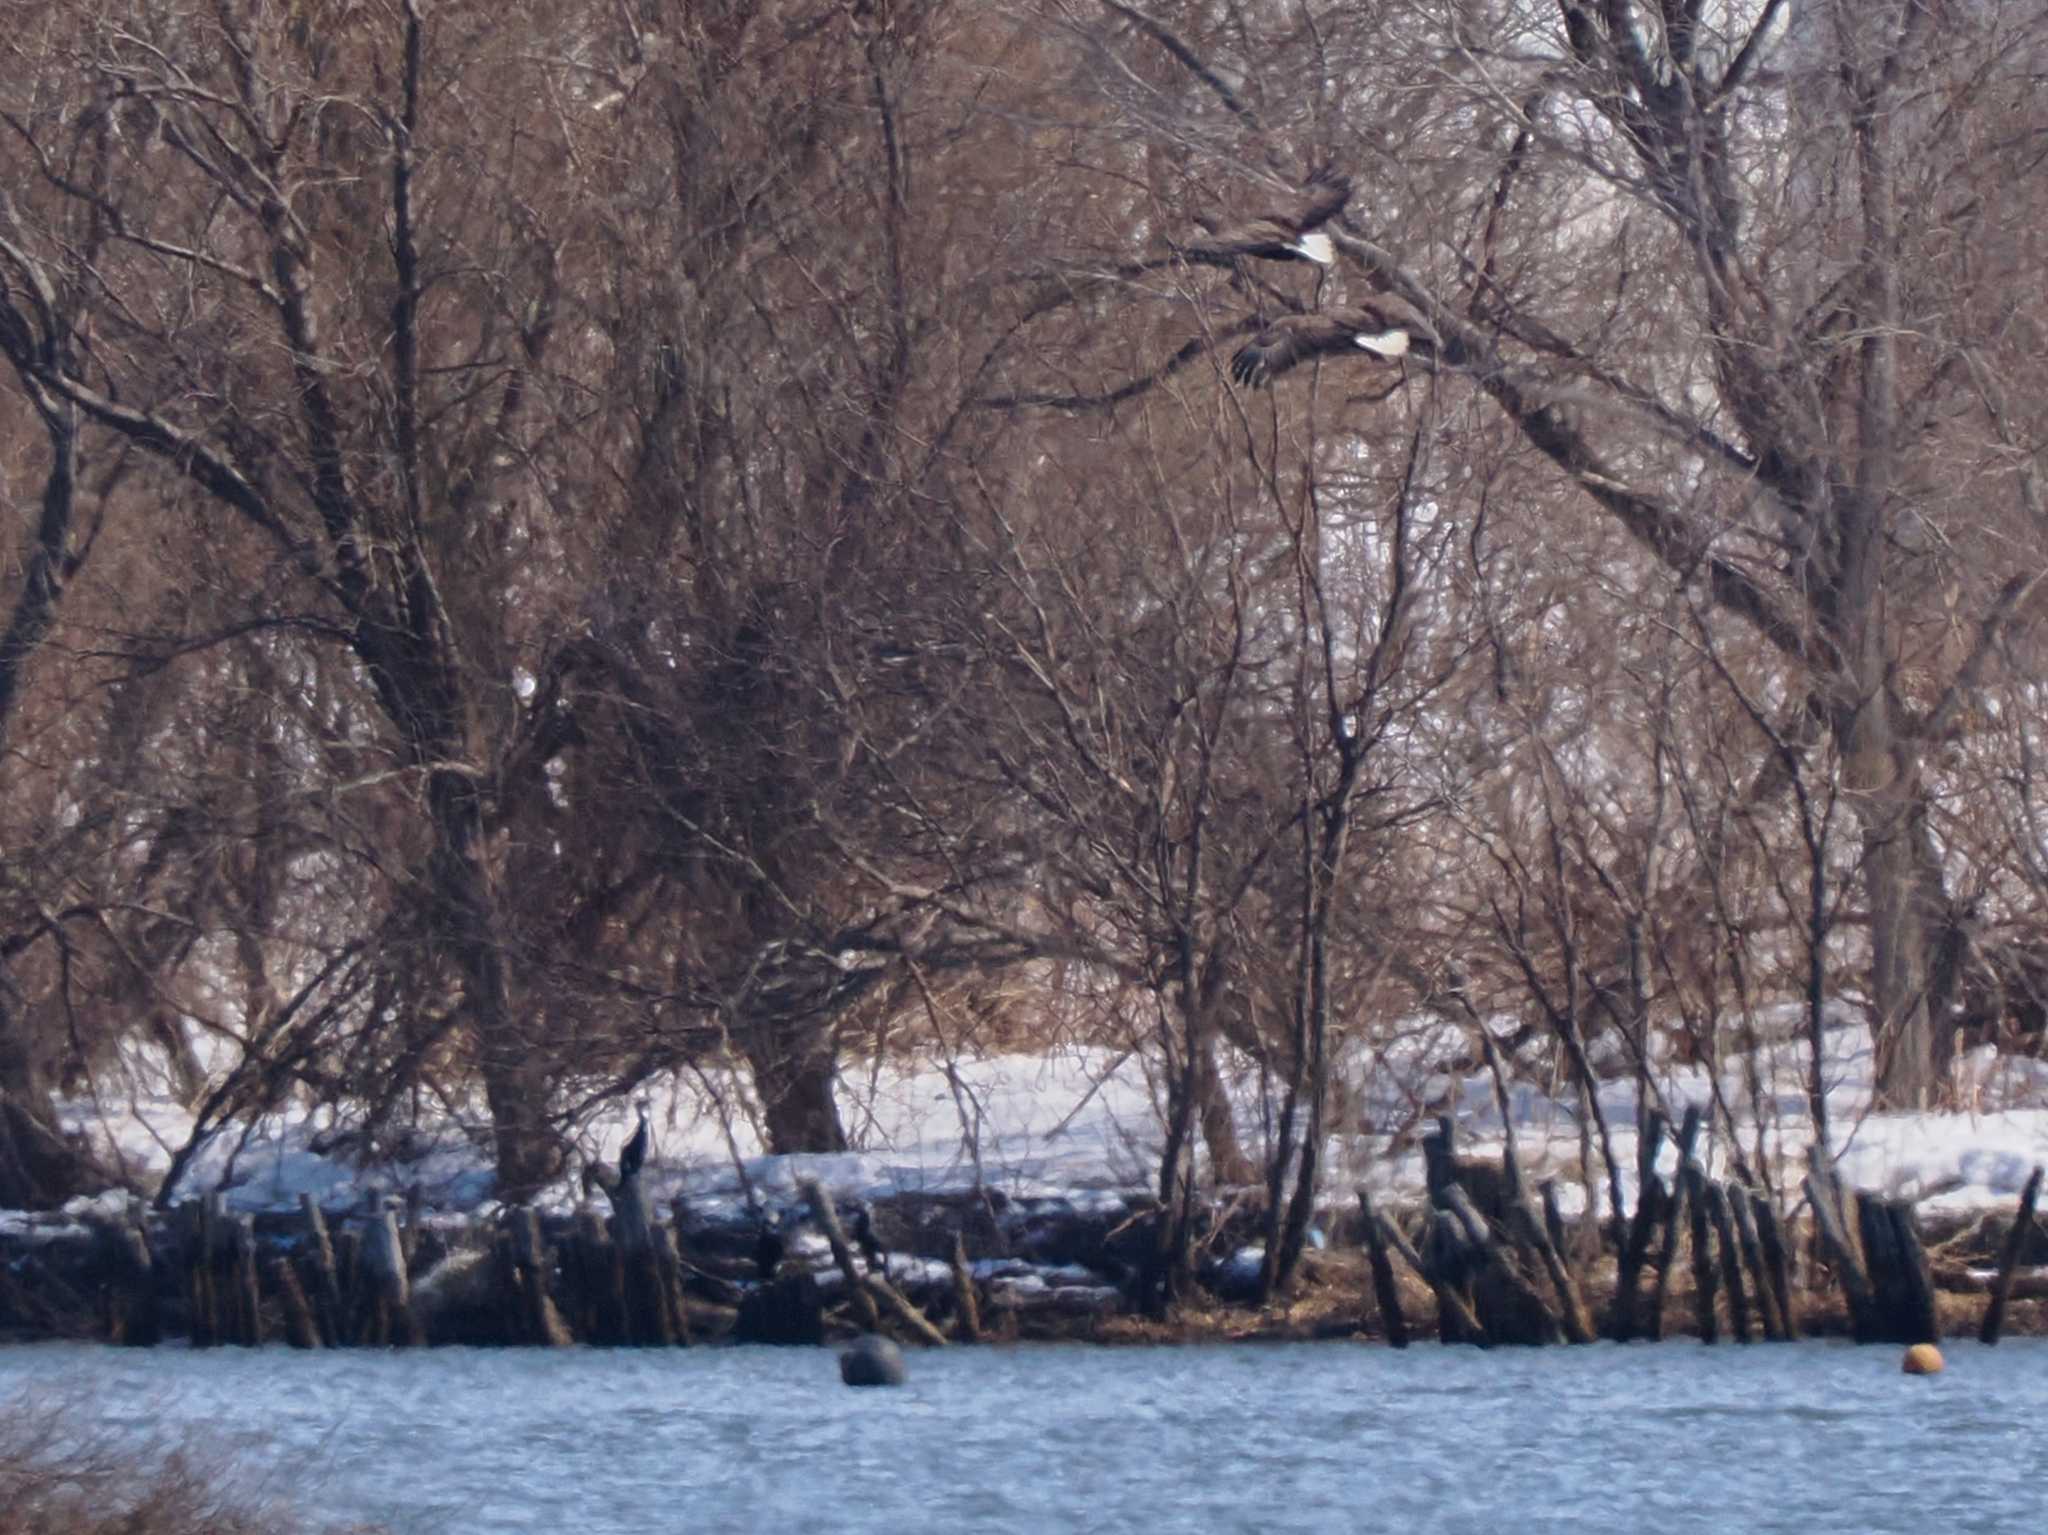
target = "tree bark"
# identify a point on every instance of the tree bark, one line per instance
(794, 1068)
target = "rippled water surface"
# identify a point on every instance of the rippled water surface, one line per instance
(1328, 1437)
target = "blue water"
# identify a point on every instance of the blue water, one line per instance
(1330, 1437)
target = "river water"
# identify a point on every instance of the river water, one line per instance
(1327, 1437)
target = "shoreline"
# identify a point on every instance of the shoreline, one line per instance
(943, 1267)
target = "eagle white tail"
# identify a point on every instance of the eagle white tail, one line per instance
(1317, 248)
(1388, 343)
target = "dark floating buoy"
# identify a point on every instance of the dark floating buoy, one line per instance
(872, 1361)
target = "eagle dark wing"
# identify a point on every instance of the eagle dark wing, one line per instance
(1328, 193)
(1272, 351)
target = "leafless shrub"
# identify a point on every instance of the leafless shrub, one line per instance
(60, 1475)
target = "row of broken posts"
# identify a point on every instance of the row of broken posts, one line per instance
(341, 1288)
(620, 1281)
(1483, 1246)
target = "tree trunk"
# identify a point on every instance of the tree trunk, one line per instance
(40, 1166)
(1227, 1161)
(1908, 902)
(794, 1067)
(514, 1076)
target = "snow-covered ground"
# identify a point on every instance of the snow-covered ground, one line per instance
(1084, 1125)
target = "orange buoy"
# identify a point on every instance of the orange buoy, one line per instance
(1923, 1359)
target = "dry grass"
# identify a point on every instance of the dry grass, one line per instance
(60, 1476)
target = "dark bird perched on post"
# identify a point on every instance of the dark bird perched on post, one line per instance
(864, 1237)
(1277, 237)
(634, 1157)
(1386, 325)
(769, 1247)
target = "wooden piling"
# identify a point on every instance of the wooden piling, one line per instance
(541, 1322)
(1667, 1239)
(1829, 1225)
(1768, 1314)
(1512, 1309)
(1901, 1286)
(1553, 1221)
(2008, 1260)
(1917, 1321)
(965, 1301)
(828, 1219)
(1777, 1262)
(301, 1328)
(202, 1321)
(385, 1282)
(247, 1311)
(355, 1302)
(326, 1297)
(1447, 1268)
(1731, 1261)
(132, 1317)
(1384, 1290)
(1703, 1276)
(669, 1261)
(649, 1319)
(586, 1273)
(1635, 1245)
(1570, 1312)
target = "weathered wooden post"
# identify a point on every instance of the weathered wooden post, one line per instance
(1674, 1207)
(541, 1322)
(1635, 1246)
(1513, 1310)
(248, 1295)
(390, 1293)
(648, 1318)
(965, 1300)
(1703, 1284)
(196, 1247)
(1778, 1263)
(587, 1273)
(301, 1329)
(327, 1308)
(2008, 1260)
(1822, 1196)
(1919, 1321)
(1553, 1221)
(1450, 1266)
(1384, 1290)
(1731, 1261)
(356, 1304)
(822, 1210)
(669, 1259)
(1752, 1256)
(1570, 1313)
(133, 1318)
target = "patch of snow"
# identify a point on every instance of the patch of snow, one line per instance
(1081, 1128)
